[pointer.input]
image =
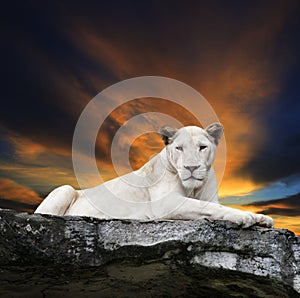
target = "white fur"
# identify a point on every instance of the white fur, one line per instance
(178, 183)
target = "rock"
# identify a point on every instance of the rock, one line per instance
(50, 256)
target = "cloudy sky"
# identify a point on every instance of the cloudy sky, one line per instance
(242, 56)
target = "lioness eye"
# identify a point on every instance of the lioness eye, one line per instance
(202, 147)
(179, 148)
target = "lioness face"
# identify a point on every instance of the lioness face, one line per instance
(191, 151)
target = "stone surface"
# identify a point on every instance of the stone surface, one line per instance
(50, 256)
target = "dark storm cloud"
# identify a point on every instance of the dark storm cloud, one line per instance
(40, 90)
(281, 211)
(279, 157)
(289, 206)
(10, 204)
(6, 148)
(29, 107)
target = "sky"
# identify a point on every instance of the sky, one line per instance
(242, 56)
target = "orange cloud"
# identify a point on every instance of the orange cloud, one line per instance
(44, 177)
(239, 83)
(25, 148)
(150, 143)
(146, 144)
(233, 185)
(282, 221)
(11, 190)
(38, 164)
(288, 222)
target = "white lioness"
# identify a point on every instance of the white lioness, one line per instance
(178, 183)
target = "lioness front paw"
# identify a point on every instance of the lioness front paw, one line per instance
(264, 221)
(244, 219)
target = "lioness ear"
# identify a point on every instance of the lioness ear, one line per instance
(215, 130)
(166, 133)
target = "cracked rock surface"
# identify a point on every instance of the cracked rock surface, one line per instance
(51, 256)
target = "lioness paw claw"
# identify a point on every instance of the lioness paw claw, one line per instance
(264, 221)
(244, 219)
(248, 220)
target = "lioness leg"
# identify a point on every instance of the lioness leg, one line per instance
(195, 209)
(58, 201)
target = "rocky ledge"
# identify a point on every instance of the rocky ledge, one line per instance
(51, 256)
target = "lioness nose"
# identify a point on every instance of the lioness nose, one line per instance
(192, 168)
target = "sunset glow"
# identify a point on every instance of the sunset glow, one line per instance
(243, 59)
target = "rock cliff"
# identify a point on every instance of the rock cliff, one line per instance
(51, 256)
